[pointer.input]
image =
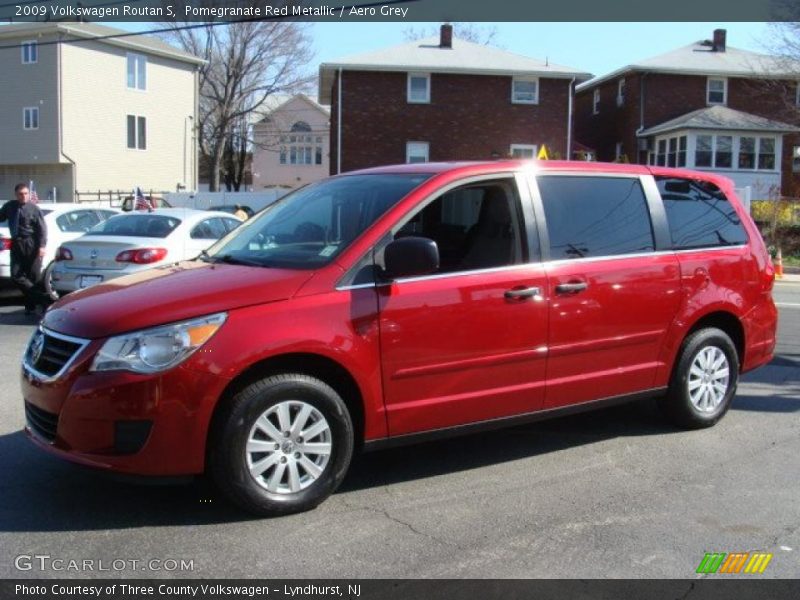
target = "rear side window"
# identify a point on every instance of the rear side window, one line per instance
(699, 214)
(595, 216)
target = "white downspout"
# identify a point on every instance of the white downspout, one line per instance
(339, 124)
(569, 119)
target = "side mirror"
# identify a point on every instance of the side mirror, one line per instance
(410, 256)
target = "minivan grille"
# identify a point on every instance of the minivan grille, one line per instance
(48, 354)
(41, 422)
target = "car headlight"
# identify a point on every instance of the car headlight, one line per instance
(156, 349)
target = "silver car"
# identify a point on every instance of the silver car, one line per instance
(133, 242)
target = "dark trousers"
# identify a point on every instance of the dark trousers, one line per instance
(26, 267)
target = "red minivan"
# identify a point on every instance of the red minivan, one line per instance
(399, 304)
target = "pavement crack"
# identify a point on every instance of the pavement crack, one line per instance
(385, 513)
(689, 591)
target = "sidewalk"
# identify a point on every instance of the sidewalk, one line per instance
(789, 278)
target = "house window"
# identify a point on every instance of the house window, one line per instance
(674, 151)
(796, 159)
(416, 152)
(137, 71)
(30, 117)
(300, 149)
(596, 102)
(717, 91)
(703, 148)
(723, 152)
(30, 52)
(419, 88)
(525, 90)
(523, 150)
(661, 155)
(137, 132)
(747, 153)
(621, 92)
(766, 154)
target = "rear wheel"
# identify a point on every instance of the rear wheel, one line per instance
(704, 380)
(47, 281)
(283, 445)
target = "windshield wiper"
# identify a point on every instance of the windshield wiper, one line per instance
(235, 260)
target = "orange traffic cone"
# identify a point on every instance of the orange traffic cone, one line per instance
(779, 265)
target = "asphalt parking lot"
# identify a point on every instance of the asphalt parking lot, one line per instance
(616, 493)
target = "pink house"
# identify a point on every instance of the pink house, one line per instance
(291, 144)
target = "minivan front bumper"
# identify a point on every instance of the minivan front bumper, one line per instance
(153, 425)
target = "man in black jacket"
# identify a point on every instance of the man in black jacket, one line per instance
(28, 241)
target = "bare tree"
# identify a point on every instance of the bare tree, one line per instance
(246, 63)
(471, 32)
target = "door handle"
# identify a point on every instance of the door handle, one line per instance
(522, 293)
(571, 288)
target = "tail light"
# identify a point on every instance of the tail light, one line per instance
(142, 256)
(63, 253)
(5, 244)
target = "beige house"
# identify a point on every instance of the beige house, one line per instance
(291, 143)
(79, 115)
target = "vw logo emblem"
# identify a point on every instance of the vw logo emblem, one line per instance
(93, 253)
(37, 345)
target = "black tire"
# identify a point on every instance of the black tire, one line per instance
(228, 458)
(47, 280)
(677, 405)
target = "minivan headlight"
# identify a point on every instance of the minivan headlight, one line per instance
(156, 349)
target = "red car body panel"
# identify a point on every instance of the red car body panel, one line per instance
(424, 355)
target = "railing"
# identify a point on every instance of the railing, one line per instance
(114, 198)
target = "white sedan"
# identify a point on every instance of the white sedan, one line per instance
(132, 242)
(65, 222)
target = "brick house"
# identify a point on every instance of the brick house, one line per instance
(705, 106)
(444, 99)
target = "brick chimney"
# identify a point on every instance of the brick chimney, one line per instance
(719, 40)
(446, 36)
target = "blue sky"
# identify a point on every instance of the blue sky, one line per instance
(594, 47)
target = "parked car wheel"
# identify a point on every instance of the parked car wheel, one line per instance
(47, 279)
(282, 445)
(704, 380)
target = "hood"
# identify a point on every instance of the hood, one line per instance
(169, 294)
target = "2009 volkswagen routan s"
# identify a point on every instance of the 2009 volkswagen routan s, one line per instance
(401, 303)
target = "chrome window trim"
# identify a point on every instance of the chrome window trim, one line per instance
(82, 343)
(547, 265)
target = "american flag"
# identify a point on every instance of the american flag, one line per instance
(34, 197)
(141, 203)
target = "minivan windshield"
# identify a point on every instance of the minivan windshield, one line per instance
(308, 228)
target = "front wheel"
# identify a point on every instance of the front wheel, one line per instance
(282, 445)
(704, 380)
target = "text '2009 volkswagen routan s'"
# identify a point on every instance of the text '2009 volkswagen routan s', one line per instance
(401, 303)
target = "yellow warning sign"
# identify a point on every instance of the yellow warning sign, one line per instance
(543, 153)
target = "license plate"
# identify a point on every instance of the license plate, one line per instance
(87, 280)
